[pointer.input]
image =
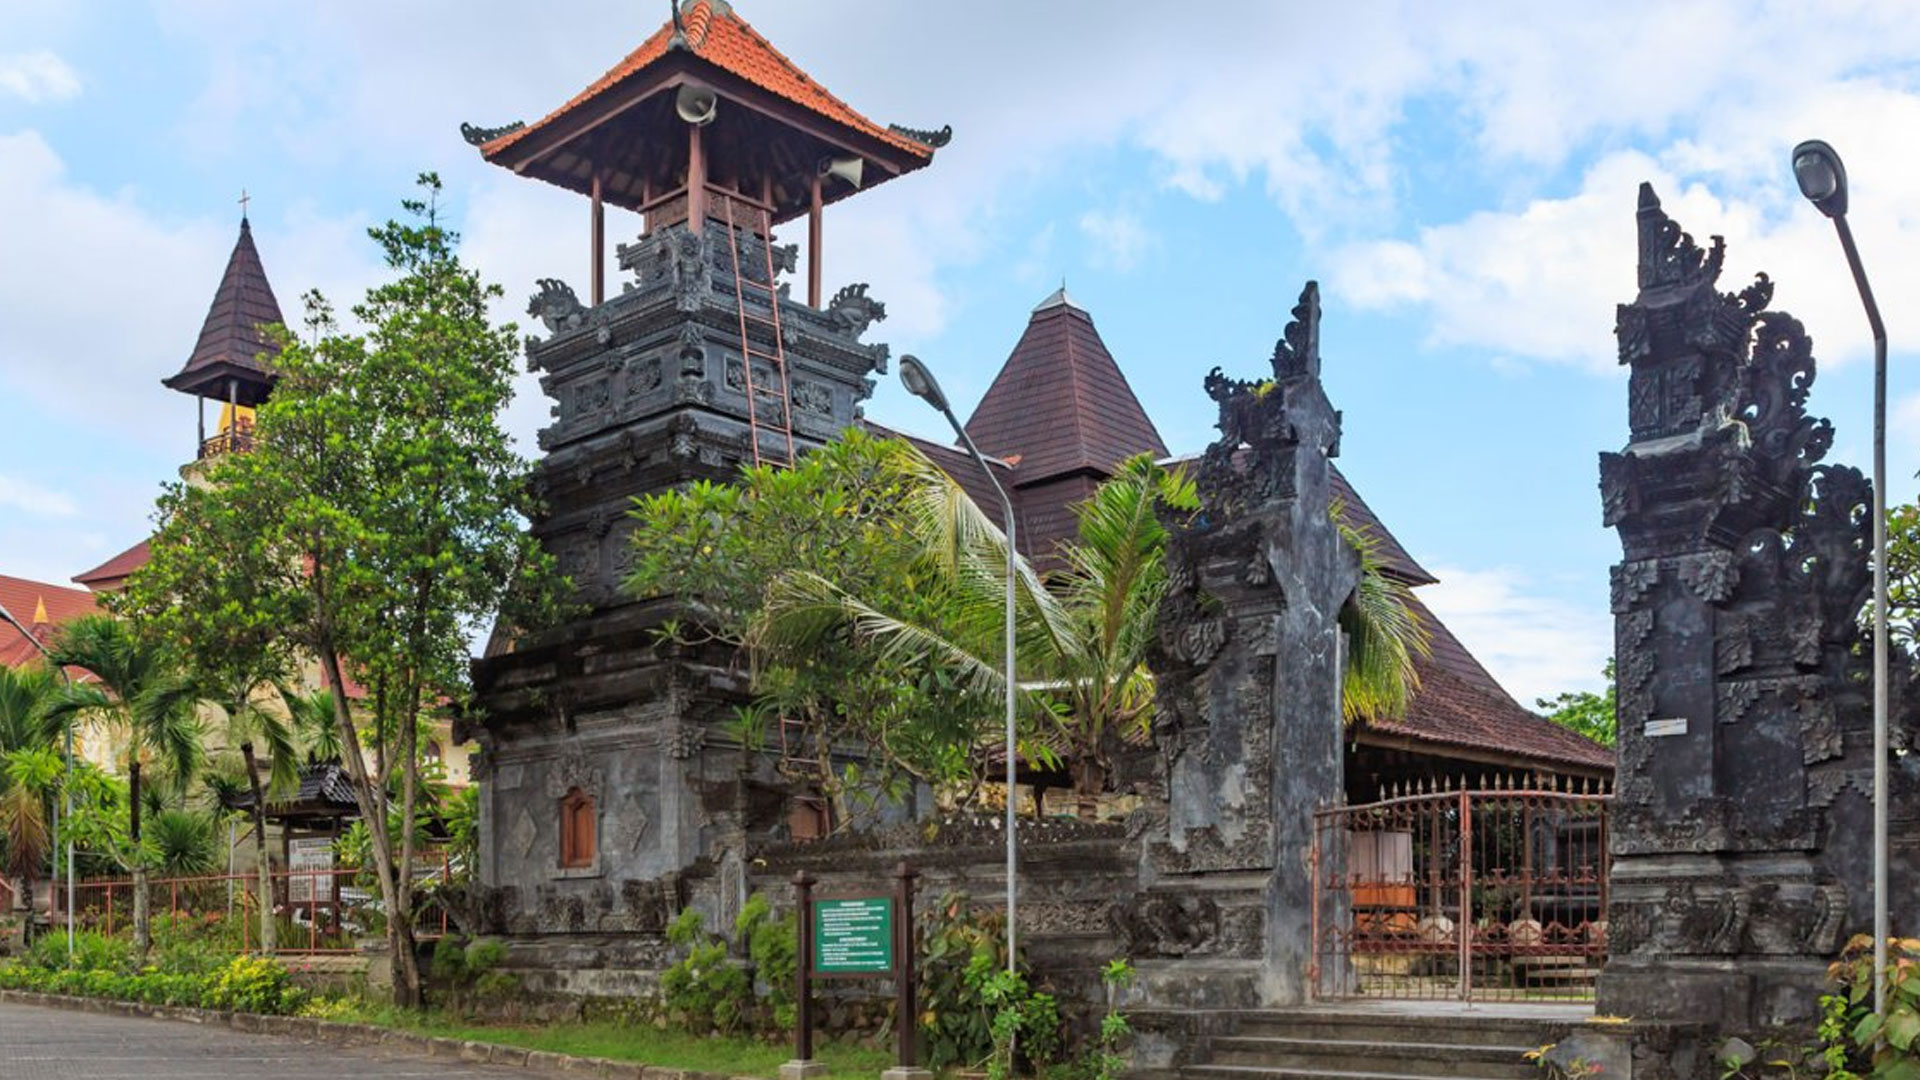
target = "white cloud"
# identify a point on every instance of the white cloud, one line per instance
(30, 498)
(1534, 643)
(1119, 237)
(38, 77)
(62, 236)
(1541, 281)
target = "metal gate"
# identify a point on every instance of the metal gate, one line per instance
(1494, 892)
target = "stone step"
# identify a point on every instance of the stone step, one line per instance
(1448, 1025)
(1439, 1060)
(1256, 1072)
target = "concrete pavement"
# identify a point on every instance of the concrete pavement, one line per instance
(58, 1044)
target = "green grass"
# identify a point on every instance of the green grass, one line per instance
(727, 1055)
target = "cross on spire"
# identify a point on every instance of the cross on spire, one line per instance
(244, 200)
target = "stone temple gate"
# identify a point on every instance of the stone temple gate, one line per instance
(1743, 818)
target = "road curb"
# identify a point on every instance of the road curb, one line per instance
(336, 1033)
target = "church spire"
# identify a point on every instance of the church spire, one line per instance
(226, 361)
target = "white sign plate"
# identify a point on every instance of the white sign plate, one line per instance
(1675, 726)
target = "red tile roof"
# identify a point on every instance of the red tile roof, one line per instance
(231, 344)
(1060, 402)
(716, 34)
(110, 575)
(25, 600)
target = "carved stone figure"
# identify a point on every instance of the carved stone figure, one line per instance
(852, 310)
(556, 306)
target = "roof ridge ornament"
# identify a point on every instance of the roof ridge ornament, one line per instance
(1297, 354)
(935, 139)
(692, 19)
(480, 136)
(1668, 254)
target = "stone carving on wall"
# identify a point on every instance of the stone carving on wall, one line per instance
(556, 306)
(852, 310)
(1258, 573)
(1737, 629)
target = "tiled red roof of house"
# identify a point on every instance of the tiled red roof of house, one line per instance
(27, 601)
(716, 34)
(1060, 402)
(1459, 703)
(110, 575)
(231, 345)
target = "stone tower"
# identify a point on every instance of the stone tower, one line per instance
(1742, 831)
(609, 799)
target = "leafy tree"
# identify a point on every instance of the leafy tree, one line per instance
(138, 692)
(1584, 711)
(381, 514)
(847, 510)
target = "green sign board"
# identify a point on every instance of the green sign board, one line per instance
(853, 937)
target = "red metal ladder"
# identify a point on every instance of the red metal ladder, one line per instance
(778, 401)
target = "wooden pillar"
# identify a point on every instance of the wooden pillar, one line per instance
(696, 182)
(813, 246)
(599, 275)
(200, 447)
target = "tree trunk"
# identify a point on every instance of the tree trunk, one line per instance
(142, 926)
(373, 811)
(1089, 779)
(263, 869)
(409, 785)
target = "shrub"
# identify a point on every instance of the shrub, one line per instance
(706, 990)
(773, 944)
(245, 983)
(1856, 1040)
(91, 950)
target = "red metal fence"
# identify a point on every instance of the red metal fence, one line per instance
(1490, 893)
(316, 912)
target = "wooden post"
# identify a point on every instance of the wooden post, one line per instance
(813, 246)
(906, 1017)
(802, 1063)
(696, 182)
(599, 275)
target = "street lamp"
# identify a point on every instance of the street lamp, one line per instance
(28, 634)
(1823, 180)
(921, 384)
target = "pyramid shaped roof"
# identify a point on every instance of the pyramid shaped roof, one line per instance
(231, 345)
(1060, 404)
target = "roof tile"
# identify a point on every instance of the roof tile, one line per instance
(715, 33)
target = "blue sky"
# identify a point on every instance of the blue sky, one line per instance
(1460, 178)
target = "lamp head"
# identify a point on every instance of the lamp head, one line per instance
(921, 383)
(1822, 178)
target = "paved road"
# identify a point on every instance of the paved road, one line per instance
(55, 1044)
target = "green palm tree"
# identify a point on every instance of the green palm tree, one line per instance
(29, 773)
(1084, 634)
(254, 728)
(137, 692)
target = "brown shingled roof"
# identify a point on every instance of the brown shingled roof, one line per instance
(1459, 703)
(1061, 403)
(231, 345)
(110, 575)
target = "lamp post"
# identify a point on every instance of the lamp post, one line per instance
(1823, 180)
(921, 384)
(67, 787)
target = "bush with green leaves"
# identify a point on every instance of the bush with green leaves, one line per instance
(773, 945)
(706, 990)
(973, 1011)
(1858, 1041)
(250, 984)
(466, 970)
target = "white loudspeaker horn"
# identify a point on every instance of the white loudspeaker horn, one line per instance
(697, 105)
(850, 169)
